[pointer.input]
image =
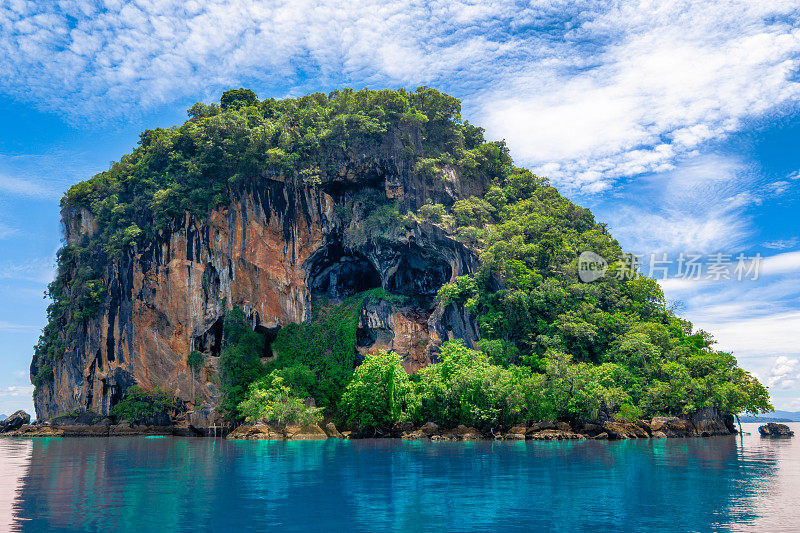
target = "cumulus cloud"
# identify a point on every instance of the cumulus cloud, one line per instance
(586, 92)
(668, 80)
(784, 374)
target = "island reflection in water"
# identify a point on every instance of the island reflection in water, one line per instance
(175, 484)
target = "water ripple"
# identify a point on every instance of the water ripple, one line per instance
(173, 484)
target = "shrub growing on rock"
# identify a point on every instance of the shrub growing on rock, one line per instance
(141, 406)
(240, 361)
(379, 393)
(270, 400)
(465, 388)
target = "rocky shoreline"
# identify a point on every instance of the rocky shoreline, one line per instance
(705, 423)
(698, 425)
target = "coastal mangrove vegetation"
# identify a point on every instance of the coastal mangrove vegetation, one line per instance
(552, 346)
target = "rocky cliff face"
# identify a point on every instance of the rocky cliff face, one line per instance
(272, 251)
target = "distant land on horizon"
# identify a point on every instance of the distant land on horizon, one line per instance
(3, 417)
(775, 416)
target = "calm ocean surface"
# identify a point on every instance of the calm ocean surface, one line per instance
(175, 484)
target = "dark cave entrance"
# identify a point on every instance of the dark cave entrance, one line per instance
(270, 334)
(419, 276)
(210, 342)
(337, 273)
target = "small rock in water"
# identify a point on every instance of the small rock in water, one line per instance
(775, 430)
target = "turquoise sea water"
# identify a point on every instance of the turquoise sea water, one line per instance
(176, 484)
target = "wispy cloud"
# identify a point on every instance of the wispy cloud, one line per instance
(38, 270)
(766, 335)
(593, 94)
(15, 391)
(586, 92)
(8, 327)
(33, 188)
(6, 231)
(788, 262)
(756, 320)
(700, 206)
(782, 244)
(669, 79)
(102, 57)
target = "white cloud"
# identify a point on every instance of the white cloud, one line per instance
(756, 320)
(15, 391)
(39, 270)
(8, 327)
(771, 266)
(788, 262)
(27, 187)
(784, 374)
(584, 91)
(700, 206)
(670, 79)
(675, 285)
(756, 336)
(6, 231)
(782, 244)
(87, 59)
(788, 405)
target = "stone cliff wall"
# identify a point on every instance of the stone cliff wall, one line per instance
(271, 251)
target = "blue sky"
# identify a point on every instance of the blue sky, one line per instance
(677, 123)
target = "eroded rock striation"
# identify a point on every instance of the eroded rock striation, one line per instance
(272, 251)
(15, 421)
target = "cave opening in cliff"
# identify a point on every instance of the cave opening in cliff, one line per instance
(337, 273)
(420, 276)
(210, 342)
(269, 334)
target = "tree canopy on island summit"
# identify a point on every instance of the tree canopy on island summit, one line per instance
(551, 346)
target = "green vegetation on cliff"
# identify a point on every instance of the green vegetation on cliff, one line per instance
(270, 400)
(315, 360)
(616, 332)
(141, 406)
(551, 346)
(465, 387)
(193, 168)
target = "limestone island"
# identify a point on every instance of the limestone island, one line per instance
(357, 264)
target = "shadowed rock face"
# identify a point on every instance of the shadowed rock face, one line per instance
(14, 421)
(273, 250)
